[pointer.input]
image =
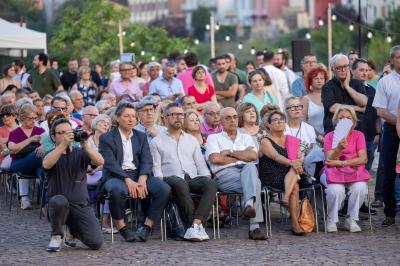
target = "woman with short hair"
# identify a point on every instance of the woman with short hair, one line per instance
(86, 86)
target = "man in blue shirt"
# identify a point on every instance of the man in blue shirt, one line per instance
(167, 86)
(308, 62)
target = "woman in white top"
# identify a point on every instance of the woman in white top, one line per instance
(303, 131)
(313, 108)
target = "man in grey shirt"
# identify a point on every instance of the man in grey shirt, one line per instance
(177, 159)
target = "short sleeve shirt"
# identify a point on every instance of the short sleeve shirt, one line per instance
(230, 80)
(355, 143)
(18, 135)
(68, 177)
(45, 83)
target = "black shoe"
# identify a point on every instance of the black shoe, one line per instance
(364, 209)
(389, 221)
(299, 233)
(128, 234)
(143, 233)
(377, 204)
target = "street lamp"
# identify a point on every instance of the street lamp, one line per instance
(253, 50)
(142, 53)
(351, 27)
(320, 22)
(196, 41)
(334, 17)
(132, 44)
(389, 39)
(208, 27)
(227, 38)
(370, 35)
(308, 36)
(240, 46)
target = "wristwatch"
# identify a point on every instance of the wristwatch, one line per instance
(344, 163)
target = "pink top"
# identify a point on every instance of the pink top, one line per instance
(355, 143)
(188, 81)
(205, 129)
(4, 133)
(119, 88)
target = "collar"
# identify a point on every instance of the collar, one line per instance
(123, 135)
(223, 132)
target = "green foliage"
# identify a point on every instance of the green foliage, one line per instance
(11, 10)
(200, 18)
(92, 30)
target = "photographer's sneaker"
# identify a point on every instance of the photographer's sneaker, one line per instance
(55, 243)
(203, 233)
(26, 203)
(193, 234)
(331, 227)
(351, 225)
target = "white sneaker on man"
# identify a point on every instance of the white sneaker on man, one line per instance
(351, 225)
(25, 203)
(193, 234)
(55, 243)
(203, 233)
(331, 227)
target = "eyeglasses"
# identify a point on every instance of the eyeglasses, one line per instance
(310, 62)
(126, 69)
(151, 110)
(64, 109)
(213, 114)
(233, 117)
(61, 132)
(92, 115)
(278, 120)
(176, 115)
(342, 68)
(295, 107)
(31, 118)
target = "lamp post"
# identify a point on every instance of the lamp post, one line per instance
(359, 28)
(212, 35)
(329, 17)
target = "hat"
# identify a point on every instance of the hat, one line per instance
(148, 100)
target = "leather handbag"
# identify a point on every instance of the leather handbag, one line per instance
(306, 217)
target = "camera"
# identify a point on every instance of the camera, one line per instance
(80, 135)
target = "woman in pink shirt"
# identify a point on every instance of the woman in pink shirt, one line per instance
(8, 114)
(345, 170)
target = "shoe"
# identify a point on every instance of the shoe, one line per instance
(26, 203)
(331, 227)
(300, 233)
(55, 243)
(69, 239)
(351, 225)
(249, 212)
(377, 204)
(143, 233)
(364, 209)
(109, 230)
(128, 234)
(389, 221)
(203, 233)
(257, 234)
(283, 203)
(194, 234)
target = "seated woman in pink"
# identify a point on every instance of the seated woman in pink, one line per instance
(200, 90)
(345, 171)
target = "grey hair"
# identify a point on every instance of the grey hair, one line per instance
(209, 105)
(223, 110)
(151, 65)
(288, 99)
(73, 93)
(87, 108)
(65, 96)
(102, 117)
(113, 63)
(20, 102)
(335, 58)
(101, 105)
(393, 50)
(170, 64)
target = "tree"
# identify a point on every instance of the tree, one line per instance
(200, 18)
(11, 10)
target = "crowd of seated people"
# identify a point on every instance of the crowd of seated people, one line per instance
(154, 132)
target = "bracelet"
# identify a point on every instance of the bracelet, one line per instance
(344, 163)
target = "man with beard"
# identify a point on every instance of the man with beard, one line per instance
(280, 61)
(43, 79)
(177, 159)
(69, 78)
(226, 83)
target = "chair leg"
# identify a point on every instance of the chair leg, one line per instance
(162, 228)
(315, 210)
(369, 210)
(112, 228)
(213, 219)
(217, 201)
(323, 208)
(269, 212)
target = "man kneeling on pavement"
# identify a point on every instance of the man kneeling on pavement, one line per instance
(69, 206)
(177, 159)
(233, 156)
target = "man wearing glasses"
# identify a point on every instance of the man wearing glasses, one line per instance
(212, 119)
(88, 114)
(233, 157)
(177, 159)
(343, 90)
(167, 86)
(308, 62)
(124, 87)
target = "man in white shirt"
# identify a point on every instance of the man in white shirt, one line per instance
(280, 61)
(177, 159)
(233, 156)
(277, 76)
(386, 102)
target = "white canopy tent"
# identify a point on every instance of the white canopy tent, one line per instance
(13, 36)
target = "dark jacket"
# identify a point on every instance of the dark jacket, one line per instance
(110, 147)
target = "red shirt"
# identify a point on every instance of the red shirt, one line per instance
(201, 97)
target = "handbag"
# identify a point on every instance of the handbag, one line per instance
(346, 174)
(306, 217)
(175, 227)
(27, 150)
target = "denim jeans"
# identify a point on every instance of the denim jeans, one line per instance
(371, 147)
(380, 173)
(390, 147)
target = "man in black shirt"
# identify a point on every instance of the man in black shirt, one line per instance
(66, 168)
(343, 90)
(69, 78)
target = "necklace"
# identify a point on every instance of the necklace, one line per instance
(298, 131)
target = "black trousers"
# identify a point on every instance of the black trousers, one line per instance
(80, 219)
(181, 189)
(118, 191)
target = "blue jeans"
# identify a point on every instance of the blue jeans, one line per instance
(31, 164)
(371, 147)
(390, 147)
(379, 173)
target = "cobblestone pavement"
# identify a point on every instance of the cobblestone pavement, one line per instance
(24, 238)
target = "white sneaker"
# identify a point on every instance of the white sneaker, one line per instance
(331, 227)
(203, 233)
(351, 225)
(25, 203)
(55, 243)
(193, 234)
